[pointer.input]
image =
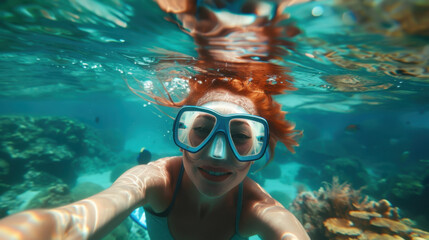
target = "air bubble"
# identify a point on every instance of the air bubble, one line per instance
(317, 11)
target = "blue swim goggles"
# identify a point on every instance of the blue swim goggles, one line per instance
(247, 134)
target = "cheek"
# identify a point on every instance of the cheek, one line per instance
(191, 157)
(188, 158)
(188, 164)
(242, 166)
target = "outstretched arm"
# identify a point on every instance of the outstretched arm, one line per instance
(92, 217)
(279, 223)
(264, 216)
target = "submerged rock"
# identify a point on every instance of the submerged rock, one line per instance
(54, 196)
(53, 145)
(40, 154)
(60, 194)
(347, 170)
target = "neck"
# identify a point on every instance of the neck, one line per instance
(206, 204)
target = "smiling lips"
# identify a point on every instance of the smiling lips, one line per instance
(214, 174)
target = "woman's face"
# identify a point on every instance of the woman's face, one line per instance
(214, 169)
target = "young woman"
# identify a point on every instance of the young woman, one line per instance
(203, 194)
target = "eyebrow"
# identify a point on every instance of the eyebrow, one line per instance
(206, 116)
(240, 123)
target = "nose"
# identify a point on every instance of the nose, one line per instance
(218, 147)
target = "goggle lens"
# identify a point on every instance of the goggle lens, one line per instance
(247, 136)
(195, 127)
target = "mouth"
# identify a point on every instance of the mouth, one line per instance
(214, 174)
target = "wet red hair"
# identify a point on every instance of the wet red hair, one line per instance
(260, 92)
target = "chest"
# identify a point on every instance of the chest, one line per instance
(186, 222)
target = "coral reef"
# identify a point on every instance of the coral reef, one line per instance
(43, 155)
(60, 194)
(347, 170)
(410, 191)
(406, 186)
(54, 196)
(336, 211)
(52, 145)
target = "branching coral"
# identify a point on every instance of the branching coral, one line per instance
(336, 211)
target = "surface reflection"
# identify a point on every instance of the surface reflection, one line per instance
(244, 42)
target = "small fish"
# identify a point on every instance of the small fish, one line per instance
(97, 119)
(144, 156)
(352, 128)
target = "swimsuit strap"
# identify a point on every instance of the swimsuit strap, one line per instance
(239, 206)
(179, 181)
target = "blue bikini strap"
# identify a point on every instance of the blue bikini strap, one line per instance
(239, 206)
(176, 190)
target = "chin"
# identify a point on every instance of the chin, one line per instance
(212, 192)
(215, 189)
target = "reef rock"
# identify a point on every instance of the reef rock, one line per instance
(53, 145)
(337, 211)
(54, 196)
(347, 170)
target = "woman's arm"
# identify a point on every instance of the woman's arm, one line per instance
(92, 217)
(264, 216)
(279, 223)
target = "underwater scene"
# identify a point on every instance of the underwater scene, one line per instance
(80, 79)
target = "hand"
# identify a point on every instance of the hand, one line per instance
(177, 6)
(289, 236)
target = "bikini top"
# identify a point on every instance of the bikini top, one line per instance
(157, 223)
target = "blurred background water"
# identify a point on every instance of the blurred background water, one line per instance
(67, 116)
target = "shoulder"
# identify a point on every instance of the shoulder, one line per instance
(160, 169)
(264, 216)
(155, 180)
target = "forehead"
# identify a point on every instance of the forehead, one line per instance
(225, 107)
(227, 101)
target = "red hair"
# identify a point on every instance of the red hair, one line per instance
(260, 92)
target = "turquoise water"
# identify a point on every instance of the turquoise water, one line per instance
(362, 98)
